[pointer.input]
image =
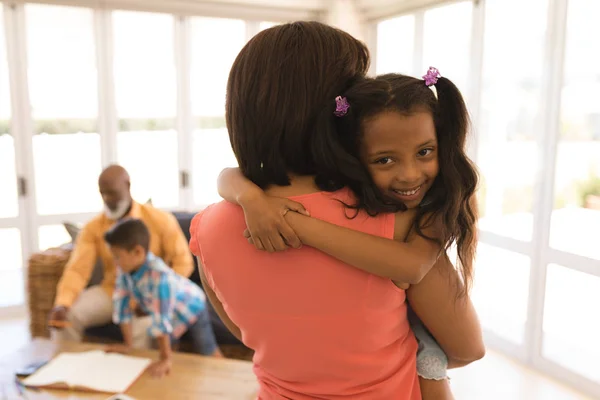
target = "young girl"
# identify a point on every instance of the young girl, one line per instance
(390, 129)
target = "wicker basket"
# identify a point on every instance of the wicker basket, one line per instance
(44, 272)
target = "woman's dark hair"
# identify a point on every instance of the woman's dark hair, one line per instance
(451, 198)
(280, 98)
(127, 234)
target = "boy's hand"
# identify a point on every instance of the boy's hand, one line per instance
(160, 368)
(267, 227)
(118, 348)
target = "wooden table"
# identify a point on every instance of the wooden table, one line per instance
(192, 376)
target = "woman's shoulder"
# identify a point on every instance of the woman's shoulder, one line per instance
(213, 220)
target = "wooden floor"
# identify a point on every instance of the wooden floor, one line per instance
(493, 378)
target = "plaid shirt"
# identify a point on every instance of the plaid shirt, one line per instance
(174, 302)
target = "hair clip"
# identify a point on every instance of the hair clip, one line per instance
(431, 77)
(341, 106)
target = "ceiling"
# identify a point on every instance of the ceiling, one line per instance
(277, 10)
(371, 9)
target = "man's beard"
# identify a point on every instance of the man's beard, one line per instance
(119, 212)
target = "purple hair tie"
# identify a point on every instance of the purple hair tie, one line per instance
(341, 106)
(431, 77)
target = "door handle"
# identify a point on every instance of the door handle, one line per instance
(22, 186)
(184, 179)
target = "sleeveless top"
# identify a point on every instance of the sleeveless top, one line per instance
(320, 328)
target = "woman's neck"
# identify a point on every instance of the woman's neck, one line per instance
(299, 185)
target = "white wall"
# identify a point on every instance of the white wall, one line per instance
(345, 14)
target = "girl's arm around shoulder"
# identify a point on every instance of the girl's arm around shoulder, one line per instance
(399, 260)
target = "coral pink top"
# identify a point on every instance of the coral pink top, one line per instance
(319, 327)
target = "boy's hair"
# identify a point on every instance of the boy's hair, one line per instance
(281, 97)
(451, 198)
(127, 234)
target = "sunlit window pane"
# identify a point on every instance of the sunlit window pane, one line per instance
(510, 111)
(9, 206)
(63, 93)
(145, 91)
(447, 42)
(576, 214)
(395, 45)
(211, 62)
(52, 236)
(496, 270)
(570, 296)
(12, 285)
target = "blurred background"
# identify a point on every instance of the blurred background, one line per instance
(86, 83)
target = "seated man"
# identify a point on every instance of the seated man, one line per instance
(77, 309)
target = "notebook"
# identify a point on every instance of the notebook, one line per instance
(95, 371)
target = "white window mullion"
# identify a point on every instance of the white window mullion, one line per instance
(505, 242)
(476, 74)
(21, 124)
(107, 116)
(547, 139)
(184, 111)
(573, 261)
(20, 129)
(419, 46)
(252, 28)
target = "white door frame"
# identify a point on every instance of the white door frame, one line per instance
(13, 28)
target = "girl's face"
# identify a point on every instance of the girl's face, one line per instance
(400, 152)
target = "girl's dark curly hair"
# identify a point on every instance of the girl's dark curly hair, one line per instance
(451, 198)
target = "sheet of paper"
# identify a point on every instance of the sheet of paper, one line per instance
(96, 370)
(112, 372)
(58, 370)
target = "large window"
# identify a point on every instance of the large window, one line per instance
(571, 295)
(61, 68)
(81, 88)
(576, 213)
(211, 62)
(145, 95)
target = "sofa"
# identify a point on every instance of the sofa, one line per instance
(45, 269)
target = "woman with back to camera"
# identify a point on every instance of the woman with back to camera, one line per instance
(319, 328)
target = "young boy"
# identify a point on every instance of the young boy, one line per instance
(175, 304)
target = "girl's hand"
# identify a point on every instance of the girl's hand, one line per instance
(268, 230)
(402, 285)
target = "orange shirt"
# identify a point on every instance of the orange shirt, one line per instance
(319, 327)
(167, 241)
